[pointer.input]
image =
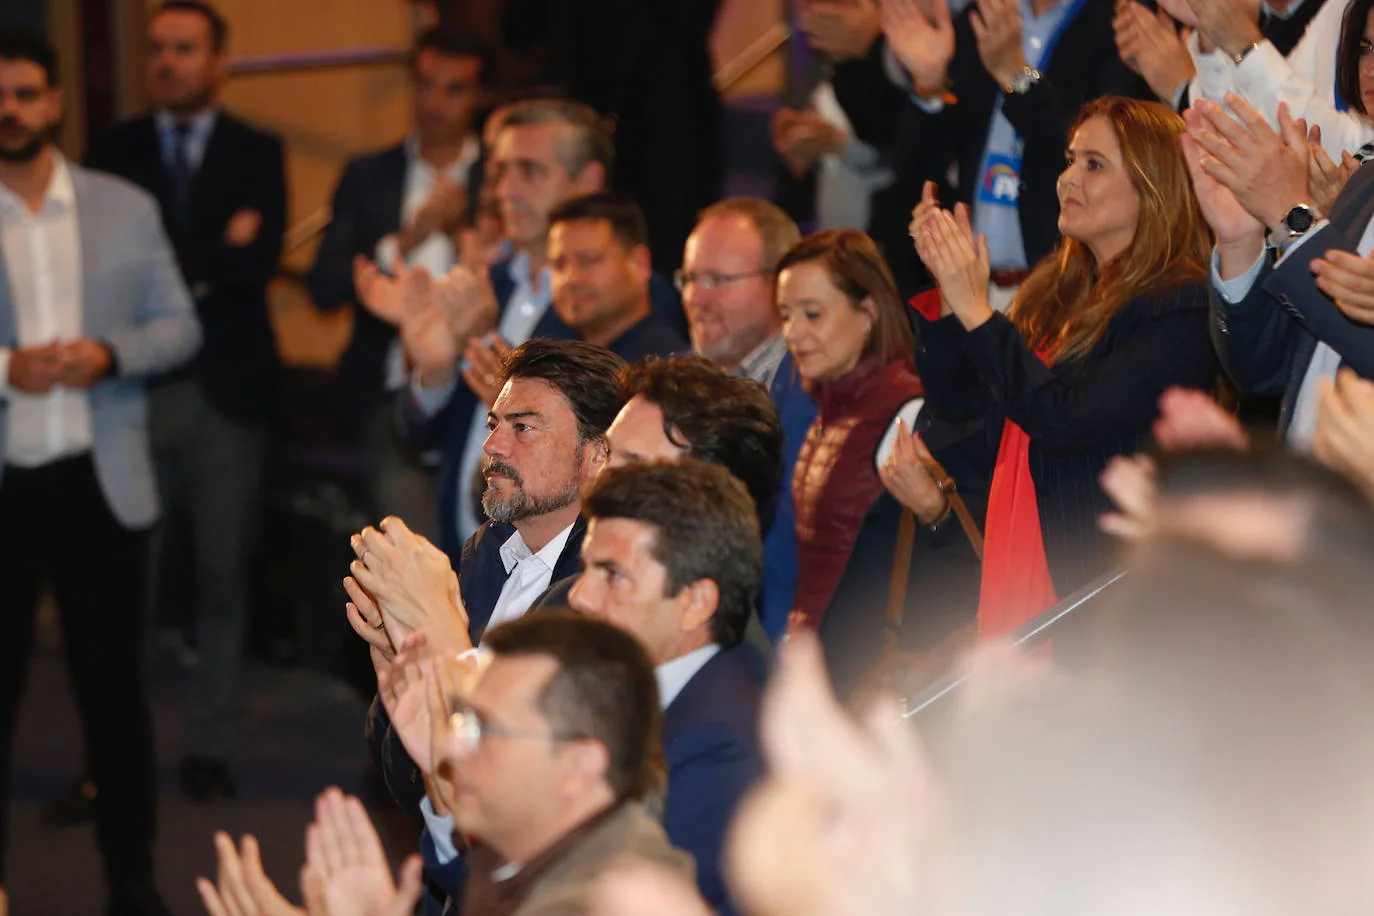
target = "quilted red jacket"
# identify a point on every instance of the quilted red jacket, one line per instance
(835, 482)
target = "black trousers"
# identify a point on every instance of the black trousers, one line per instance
(55, 525)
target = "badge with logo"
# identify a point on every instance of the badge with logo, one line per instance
(1001, 182)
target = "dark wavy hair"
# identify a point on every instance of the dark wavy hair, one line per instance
(586, 375)
(704, 528)
(716, 417)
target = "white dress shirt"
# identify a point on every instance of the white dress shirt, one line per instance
(436, 253)
(1325, 360)
(1306, 80)
(528, 575)
(42, 254)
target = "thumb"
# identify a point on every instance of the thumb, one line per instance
(408, 888)
(470, 252)
(921, 450)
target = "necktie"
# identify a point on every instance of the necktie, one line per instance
(180, 174)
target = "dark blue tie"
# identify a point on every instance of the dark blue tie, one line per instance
(180, 175)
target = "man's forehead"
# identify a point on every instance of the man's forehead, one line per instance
(725, 238)
(22, 74)
(512, 682)
(618, 540)
(532, 395)
(179, 24)
(527, 141)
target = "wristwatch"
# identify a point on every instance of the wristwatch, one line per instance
(1297, 221)
(1022, 82)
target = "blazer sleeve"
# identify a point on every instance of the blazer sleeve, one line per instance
(1161, 342)
(399, 772)
(1293, 285)
(166, 332)
(952, 385)
(254, 264)
(331, 279)
(1254, 339)
(871, 101)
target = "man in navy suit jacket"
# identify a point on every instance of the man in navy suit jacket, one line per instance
(673, 555)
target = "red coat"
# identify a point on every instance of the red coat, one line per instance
(836, 482)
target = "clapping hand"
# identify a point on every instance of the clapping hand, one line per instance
(1325, 178)
(346, 867)
(1149, 44)
(1265, 171)
(997, 29)
(924, 45)
(412, 583)
(1344, 438)
(957, 261)
(377, 292)
(242, 887)
(840, 29)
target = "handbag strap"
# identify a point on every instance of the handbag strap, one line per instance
(906, 542)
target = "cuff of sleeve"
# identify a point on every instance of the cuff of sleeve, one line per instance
(388, 250)
(440, 831)
(1302, 240)
(893, 69)
(1237, 288)
(432, 400)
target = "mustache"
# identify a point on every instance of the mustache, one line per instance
(497, 466)
(10, 121)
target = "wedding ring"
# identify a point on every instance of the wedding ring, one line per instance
(379, 624)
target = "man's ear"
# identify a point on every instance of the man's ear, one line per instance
(697, 604)
(591, 179)
(596, 455)
(586, 763)
(643, 264)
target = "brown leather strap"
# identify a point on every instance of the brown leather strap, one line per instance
(901, 569)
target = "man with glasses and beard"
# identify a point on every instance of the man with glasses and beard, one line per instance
(91, 305)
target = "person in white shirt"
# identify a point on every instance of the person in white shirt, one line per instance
(91, 305)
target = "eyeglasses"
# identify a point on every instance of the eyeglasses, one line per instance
(472, 731)
(707, 281)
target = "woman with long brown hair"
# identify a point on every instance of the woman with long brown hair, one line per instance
(1071, 376)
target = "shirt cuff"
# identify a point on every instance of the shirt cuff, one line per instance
(440, 829)
(1302, 240)
(432, 400)
(1237, 288)
(388, 250)
(1259, 73)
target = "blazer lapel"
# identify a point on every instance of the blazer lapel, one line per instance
(87, 221)
(9, 329)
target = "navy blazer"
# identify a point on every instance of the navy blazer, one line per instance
(1266, 350)
(710, 741)
(1079, 413)
(242, 169)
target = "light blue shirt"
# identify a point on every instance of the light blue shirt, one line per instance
(995, 201)
(197, 138)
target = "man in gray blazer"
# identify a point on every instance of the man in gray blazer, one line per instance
(91, 304)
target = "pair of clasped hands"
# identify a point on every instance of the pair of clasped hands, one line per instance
(77, 364)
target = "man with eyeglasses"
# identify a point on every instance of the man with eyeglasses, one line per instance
(727, 291)
(543, 763)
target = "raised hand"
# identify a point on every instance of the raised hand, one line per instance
(997, 29)
(923, 46)
(1149, 44)
(1325, 178)
(840, 29)
(444, 211)
(344, 855)
(378, 293)
(242, 887)
(1266, 172)
(402, 689)
(485, 360)
(1232, 25)
(1240, 237)
(911, 474)
(412, 582)
(369, 623)
(1349, 280)
(958, 263)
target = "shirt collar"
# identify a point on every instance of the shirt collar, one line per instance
(457, 170)
(674, 675)
(764, 358)
(514, 550)
(60, 191)
(199, 126)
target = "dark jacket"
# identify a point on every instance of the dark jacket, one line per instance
(237, 366)
(710, 742)
(366, 207)
(1083, 65)
(797, 411)
(1266, 340)
(1079, 413)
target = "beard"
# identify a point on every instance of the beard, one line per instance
(26, 152)
(521, 504)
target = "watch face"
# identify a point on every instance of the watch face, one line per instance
(1299, 219)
